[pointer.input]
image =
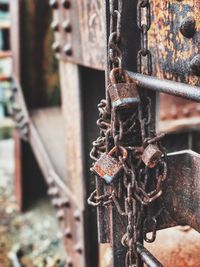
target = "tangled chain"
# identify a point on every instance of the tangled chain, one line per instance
(138, 185)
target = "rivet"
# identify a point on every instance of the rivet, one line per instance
(53, 191)
(186, 111)
(174, 112)
(15, 89)
(60, 215)
(54, 202)
(195, 65)
(69, 263)
(56, 47)
(68, 233)
(198, 108)
(78, 248)
(50, 180)
(188, 27)
(66, 3)
(68, 49)
(77, 215)
(55, 26)
(53, 4)
(67, 26)
(64, 202)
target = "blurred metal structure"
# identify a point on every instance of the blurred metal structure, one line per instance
(60, 135)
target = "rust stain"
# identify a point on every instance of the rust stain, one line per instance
(177, 247)
(171, 51)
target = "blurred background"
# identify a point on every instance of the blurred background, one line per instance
(31, 238)
(52, 101)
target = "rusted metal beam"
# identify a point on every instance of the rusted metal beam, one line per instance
(175, 43)
(182, 192)
(181, 195)
(166, 86)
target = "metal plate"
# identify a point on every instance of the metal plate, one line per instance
(83, 42)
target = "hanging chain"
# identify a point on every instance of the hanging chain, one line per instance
(115, 54)
(126, 138)
(144, 24)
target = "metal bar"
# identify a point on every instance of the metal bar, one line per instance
(147, 257)
(166, 86)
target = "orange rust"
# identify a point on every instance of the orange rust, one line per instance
(177, 248)
(171, 47)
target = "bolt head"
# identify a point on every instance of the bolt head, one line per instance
(60, 215)
(53, 191)
(53, 4)
(188, 27)
(55, 26)
(77, 215)
(69, 262)
(68, 233)
(195, 65)
(78, 248)
(54, 202)
(56, 47)
(67, 26)
(64, 202)
(66, 4)
(67, 50)
(50, 181)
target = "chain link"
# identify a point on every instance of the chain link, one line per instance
(115, 53)
(144, 24)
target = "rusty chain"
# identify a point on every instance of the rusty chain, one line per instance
(144, 168)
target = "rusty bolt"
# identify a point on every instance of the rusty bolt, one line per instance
(55, 26)
(188, 27)
(67, 26)
(66, 4)
(77, 215)
(68, 233)
(60, 215)
(56, 47)
(68, 49)
(53, 4)
(78, 248)
(151, 155)
(195, 65)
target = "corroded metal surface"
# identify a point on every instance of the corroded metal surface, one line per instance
(172, 52)
(80, 41)
(177, 247)
(174, 49)
(180, 196)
